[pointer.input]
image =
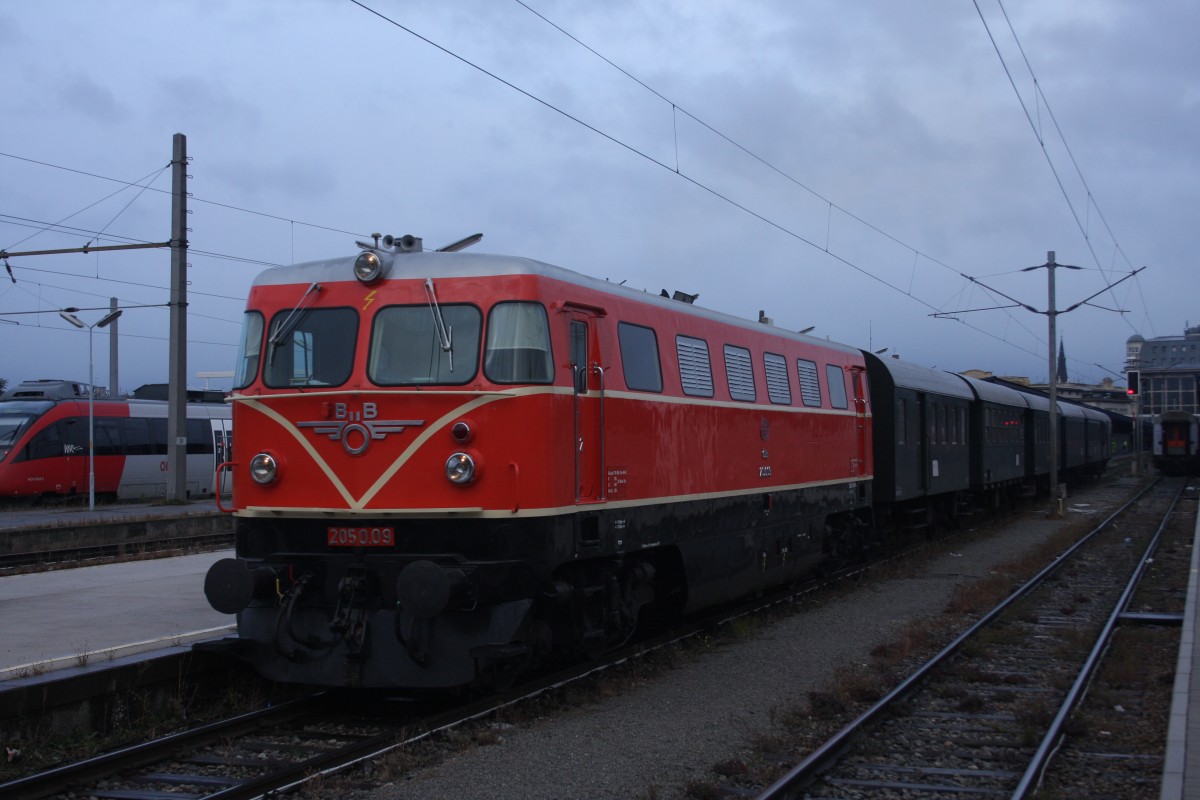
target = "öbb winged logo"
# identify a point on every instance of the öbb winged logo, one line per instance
(357, 429)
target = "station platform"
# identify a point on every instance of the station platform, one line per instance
(73, 617)
(76, 513)
(1181, 767)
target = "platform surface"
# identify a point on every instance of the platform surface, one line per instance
(77, 513)
(53, 619)
(1181, 769)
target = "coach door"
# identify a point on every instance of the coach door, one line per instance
(222, 432)
(588, 405)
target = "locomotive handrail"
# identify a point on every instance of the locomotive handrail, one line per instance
(224, 465)
(603, 435)
(575, 443)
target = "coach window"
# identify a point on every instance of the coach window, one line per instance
(779, 388)
(158, 435)
(518, 344)
(311, 347)
(639, 357)
(695, 370)
(249, 351)
(199, 437)
(739, 374)
(837, 385)
(810, 388)
(412, 345)
(901, 420)
(108, 437)
(139, 441)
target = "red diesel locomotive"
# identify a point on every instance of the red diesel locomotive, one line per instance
(452, 466)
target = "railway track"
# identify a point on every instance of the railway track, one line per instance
(280, 748)
(984, 717)
(245, 756)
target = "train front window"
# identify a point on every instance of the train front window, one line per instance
(518, 344)
(314, 347)
(249, 351)
(408, 347)
(15, 418)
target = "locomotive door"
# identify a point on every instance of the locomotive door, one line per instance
(860, 413)
(588, 406)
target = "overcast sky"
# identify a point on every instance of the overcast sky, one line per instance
(836, 163)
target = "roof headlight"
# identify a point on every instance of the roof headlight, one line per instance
(264, 468)
(368, 267)
(460, 469)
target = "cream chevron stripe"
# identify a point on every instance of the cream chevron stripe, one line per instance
(424, 436)
(478, 399)
(299, 437)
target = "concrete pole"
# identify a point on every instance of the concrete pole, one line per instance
(1051, 313)
(177, 347)
(114, 389)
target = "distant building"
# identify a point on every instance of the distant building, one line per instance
(1167, 369)
(1105, 396)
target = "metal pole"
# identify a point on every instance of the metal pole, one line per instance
(1051, 313)
(177, 357)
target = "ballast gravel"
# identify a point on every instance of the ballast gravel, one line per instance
(650, 741)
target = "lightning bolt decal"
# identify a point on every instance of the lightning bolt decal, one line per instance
(370, 298)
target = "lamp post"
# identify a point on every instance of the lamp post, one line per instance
(78, 323)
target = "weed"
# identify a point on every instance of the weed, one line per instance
(82, 654)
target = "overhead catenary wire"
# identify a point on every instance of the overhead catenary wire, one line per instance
(1040, 95)
(899, 287)
(191, 198)
(917, 253)
(695, 182)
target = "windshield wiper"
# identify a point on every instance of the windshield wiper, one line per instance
(444, 332)
(293, 319)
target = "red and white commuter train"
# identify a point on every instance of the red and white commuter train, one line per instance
(44, 444)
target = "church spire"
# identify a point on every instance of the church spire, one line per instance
(1062, 362)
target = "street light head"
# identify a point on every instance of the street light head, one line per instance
(108, 318)
(71, 318)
